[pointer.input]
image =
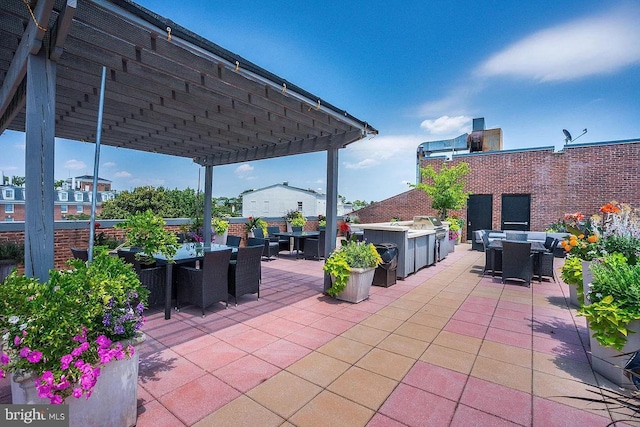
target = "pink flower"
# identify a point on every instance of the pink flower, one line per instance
(84, 346)
(77, 392)
(131, 351)
(103, 342)
(24, 352)
(55, 399)
(82, 337)
(1, 373)
(17, 340)
(65, 361)
(34, 356)
(76, 352)
(4, 359)
(47, 377)
(44, 391)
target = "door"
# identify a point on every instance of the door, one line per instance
(516, 212)
(479, 207)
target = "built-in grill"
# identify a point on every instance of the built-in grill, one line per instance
(433, 223)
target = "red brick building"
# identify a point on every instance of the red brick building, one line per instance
(548, 184)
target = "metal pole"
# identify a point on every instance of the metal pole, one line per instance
(96, 165)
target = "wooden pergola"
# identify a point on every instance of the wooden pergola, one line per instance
(168, 91)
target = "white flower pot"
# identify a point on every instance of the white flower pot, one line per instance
(358, 285)
(607, 361)
(221, 239)
(573, 296)
(114, 401)
(452, 245)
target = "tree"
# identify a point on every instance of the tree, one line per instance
(18, 181)
(139, 200)
(445, 188)
(58, 183)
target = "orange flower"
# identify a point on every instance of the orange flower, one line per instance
(609, 208)
(581, 236)
(563, 243)
(573, 242)
(567, 248)
(592, 239)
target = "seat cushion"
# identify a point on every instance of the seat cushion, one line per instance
(536, 236)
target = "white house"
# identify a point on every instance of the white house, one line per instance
(276, 200)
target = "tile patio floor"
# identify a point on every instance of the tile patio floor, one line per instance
(445, 346)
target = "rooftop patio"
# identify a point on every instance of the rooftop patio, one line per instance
(446, 346)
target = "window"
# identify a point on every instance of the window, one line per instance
(8, 219)
(79, 209)
(64, 209)
(252, 207)
(300, 206)
(265, 207)
(9, 194)
(63, 196)
(79, 197)
(8, 208)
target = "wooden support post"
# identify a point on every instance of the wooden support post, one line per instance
(39, 165)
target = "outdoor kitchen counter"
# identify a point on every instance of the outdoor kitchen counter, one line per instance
(415, 247)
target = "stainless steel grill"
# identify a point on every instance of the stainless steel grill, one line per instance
(433, 223)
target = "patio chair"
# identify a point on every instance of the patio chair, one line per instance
(296, 228)
(476, 241)
(489, 258)
(517, 261)
(314, 246)
(545, 261)
(233, 241)
(82, 254)
(151, 277)
(271, 249)
(206, 286)
(283, 242)
(245, 272)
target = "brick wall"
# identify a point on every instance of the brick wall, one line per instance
(583, 178)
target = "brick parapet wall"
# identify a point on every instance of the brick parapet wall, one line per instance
(77, 235)
(582, 178)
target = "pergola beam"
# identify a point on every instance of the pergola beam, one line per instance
(30, 44)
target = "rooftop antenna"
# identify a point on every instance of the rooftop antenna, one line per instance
(567, 136)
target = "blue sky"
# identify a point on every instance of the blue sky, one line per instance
(417, 71)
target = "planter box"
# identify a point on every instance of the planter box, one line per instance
(114, 401)
(358, 286)
(573, 296)
(604, 360)
(6, 267)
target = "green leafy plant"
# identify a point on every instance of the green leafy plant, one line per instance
(146, 231)
(614, 294)
(256, 222)
(446, 188)
(219, 225)
(322, 220)
(571, 274)
(351, 254)
(455, 227)
(62, 330)
(12, 251)
(295, 218)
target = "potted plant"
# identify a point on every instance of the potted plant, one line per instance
(351, 267)
(613, 314)
(221, 228)
(11, 255)
(454, 232)
(253, 223)
(294, 218)
(322, 222)
(145, 232)
(71, 339)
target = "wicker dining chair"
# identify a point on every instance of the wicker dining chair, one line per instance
(245, 272)
(545, 267)
(283, 242)
(271, 249)
(314, 246)
(151, 276)
(517, 261)
(233, 241)
(205, 286)
(82, 254)
(492, 261)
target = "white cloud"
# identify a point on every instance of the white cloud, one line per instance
(109, 165)
(383, 147)
(363, 164)
(75, 164)
(591, 46)
(446, 125)
(123, 174)
(244, 170)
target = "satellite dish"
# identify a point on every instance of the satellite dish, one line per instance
(567, 136)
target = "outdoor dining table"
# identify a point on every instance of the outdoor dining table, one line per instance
(187, 252)
(537, 248)
(297, 236)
